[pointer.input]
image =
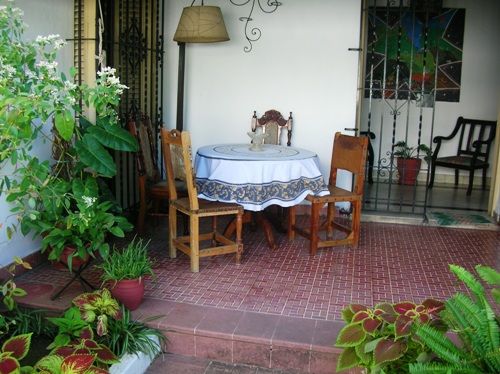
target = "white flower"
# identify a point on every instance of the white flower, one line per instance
(89, 201)
(59, 43)
(68, 85)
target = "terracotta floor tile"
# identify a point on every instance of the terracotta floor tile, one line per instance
(392, 263)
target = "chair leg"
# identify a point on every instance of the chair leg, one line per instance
(291, 223)
(456, 177)
(433, 171)
(471, 181)
(214, 230)
(356, 225)
(484, 178)
(314, 231)
(239, 229)
(330, 215)
(172, 228)
(194, 243)
(143, 205)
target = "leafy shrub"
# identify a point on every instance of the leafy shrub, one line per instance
(473, 321)
(129, 336)
(131, 263)
(382, 339)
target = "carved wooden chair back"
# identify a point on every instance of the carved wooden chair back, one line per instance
(146, 156)
(273, 124)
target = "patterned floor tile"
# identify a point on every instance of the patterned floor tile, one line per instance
(392, 263)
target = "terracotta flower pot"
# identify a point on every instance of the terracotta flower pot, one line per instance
(129, 291)
(76, 263)
(408, 169)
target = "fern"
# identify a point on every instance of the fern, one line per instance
(489, 275)
(436, 368)
(440, 345)
(474, 322)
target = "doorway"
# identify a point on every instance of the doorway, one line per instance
(412, 73)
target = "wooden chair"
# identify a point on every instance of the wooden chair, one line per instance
(349, 153)
(273, 124)
(474, 144)
(152, 190)
(178, 144)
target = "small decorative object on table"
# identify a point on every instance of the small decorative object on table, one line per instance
(257, 140)
(126, 269)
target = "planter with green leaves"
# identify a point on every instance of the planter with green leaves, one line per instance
(408, 161)
(125, 270)
(64, 200)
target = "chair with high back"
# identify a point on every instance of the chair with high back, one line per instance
(473, 149)
(349, 153)
(176, 144)
(273, 124)
(152, 190)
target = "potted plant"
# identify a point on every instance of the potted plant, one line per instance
(408, 162)
(63, 199)
(125, 269)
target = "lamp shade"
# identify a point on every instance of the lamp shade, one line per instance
(201, 24)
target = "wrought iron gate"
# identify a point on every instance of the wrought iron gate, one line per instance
(133, 41)
(403, 79)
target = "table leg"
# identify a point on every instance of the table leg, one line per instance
(261, 221)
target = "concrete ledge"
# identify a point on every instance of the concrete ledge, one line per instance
(133, 363)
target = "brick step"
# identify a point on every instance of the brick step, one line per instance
(294, 345)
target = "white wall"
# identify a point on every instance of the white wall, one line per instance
(43, 17)
(301, 64)
(480, 85)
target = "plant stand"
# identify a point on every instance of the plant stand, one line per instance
(77, 275)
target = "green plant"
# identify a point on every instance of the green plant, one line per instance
(60, 200)
(474, 322)
(74, 363)
(403, 150)
(9, 288)
(129, 336)
(130, 263)
(70, 326)
(30, 320)
(98, 305)
(382, 339)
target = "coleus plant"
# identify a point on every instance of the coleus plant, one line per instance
(76, 356)
(98, 305)
(14, 350)
(71, 364)
(374, 338)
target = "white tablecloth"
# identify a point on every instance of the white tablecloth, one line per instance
(256, 179)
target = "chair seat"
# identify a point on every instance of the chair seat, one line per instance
(460, 161)
(208, 207)
(336, 194)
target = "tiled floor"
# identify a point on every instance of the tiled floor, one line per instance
(392, 263)
(280, 310)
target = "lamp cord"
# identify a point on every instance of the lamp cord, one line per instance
(201, 2)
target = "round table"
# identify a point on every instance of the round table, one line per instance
(256, 179)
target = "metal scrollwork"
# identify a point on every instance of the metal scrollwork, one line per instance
(252, 34)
